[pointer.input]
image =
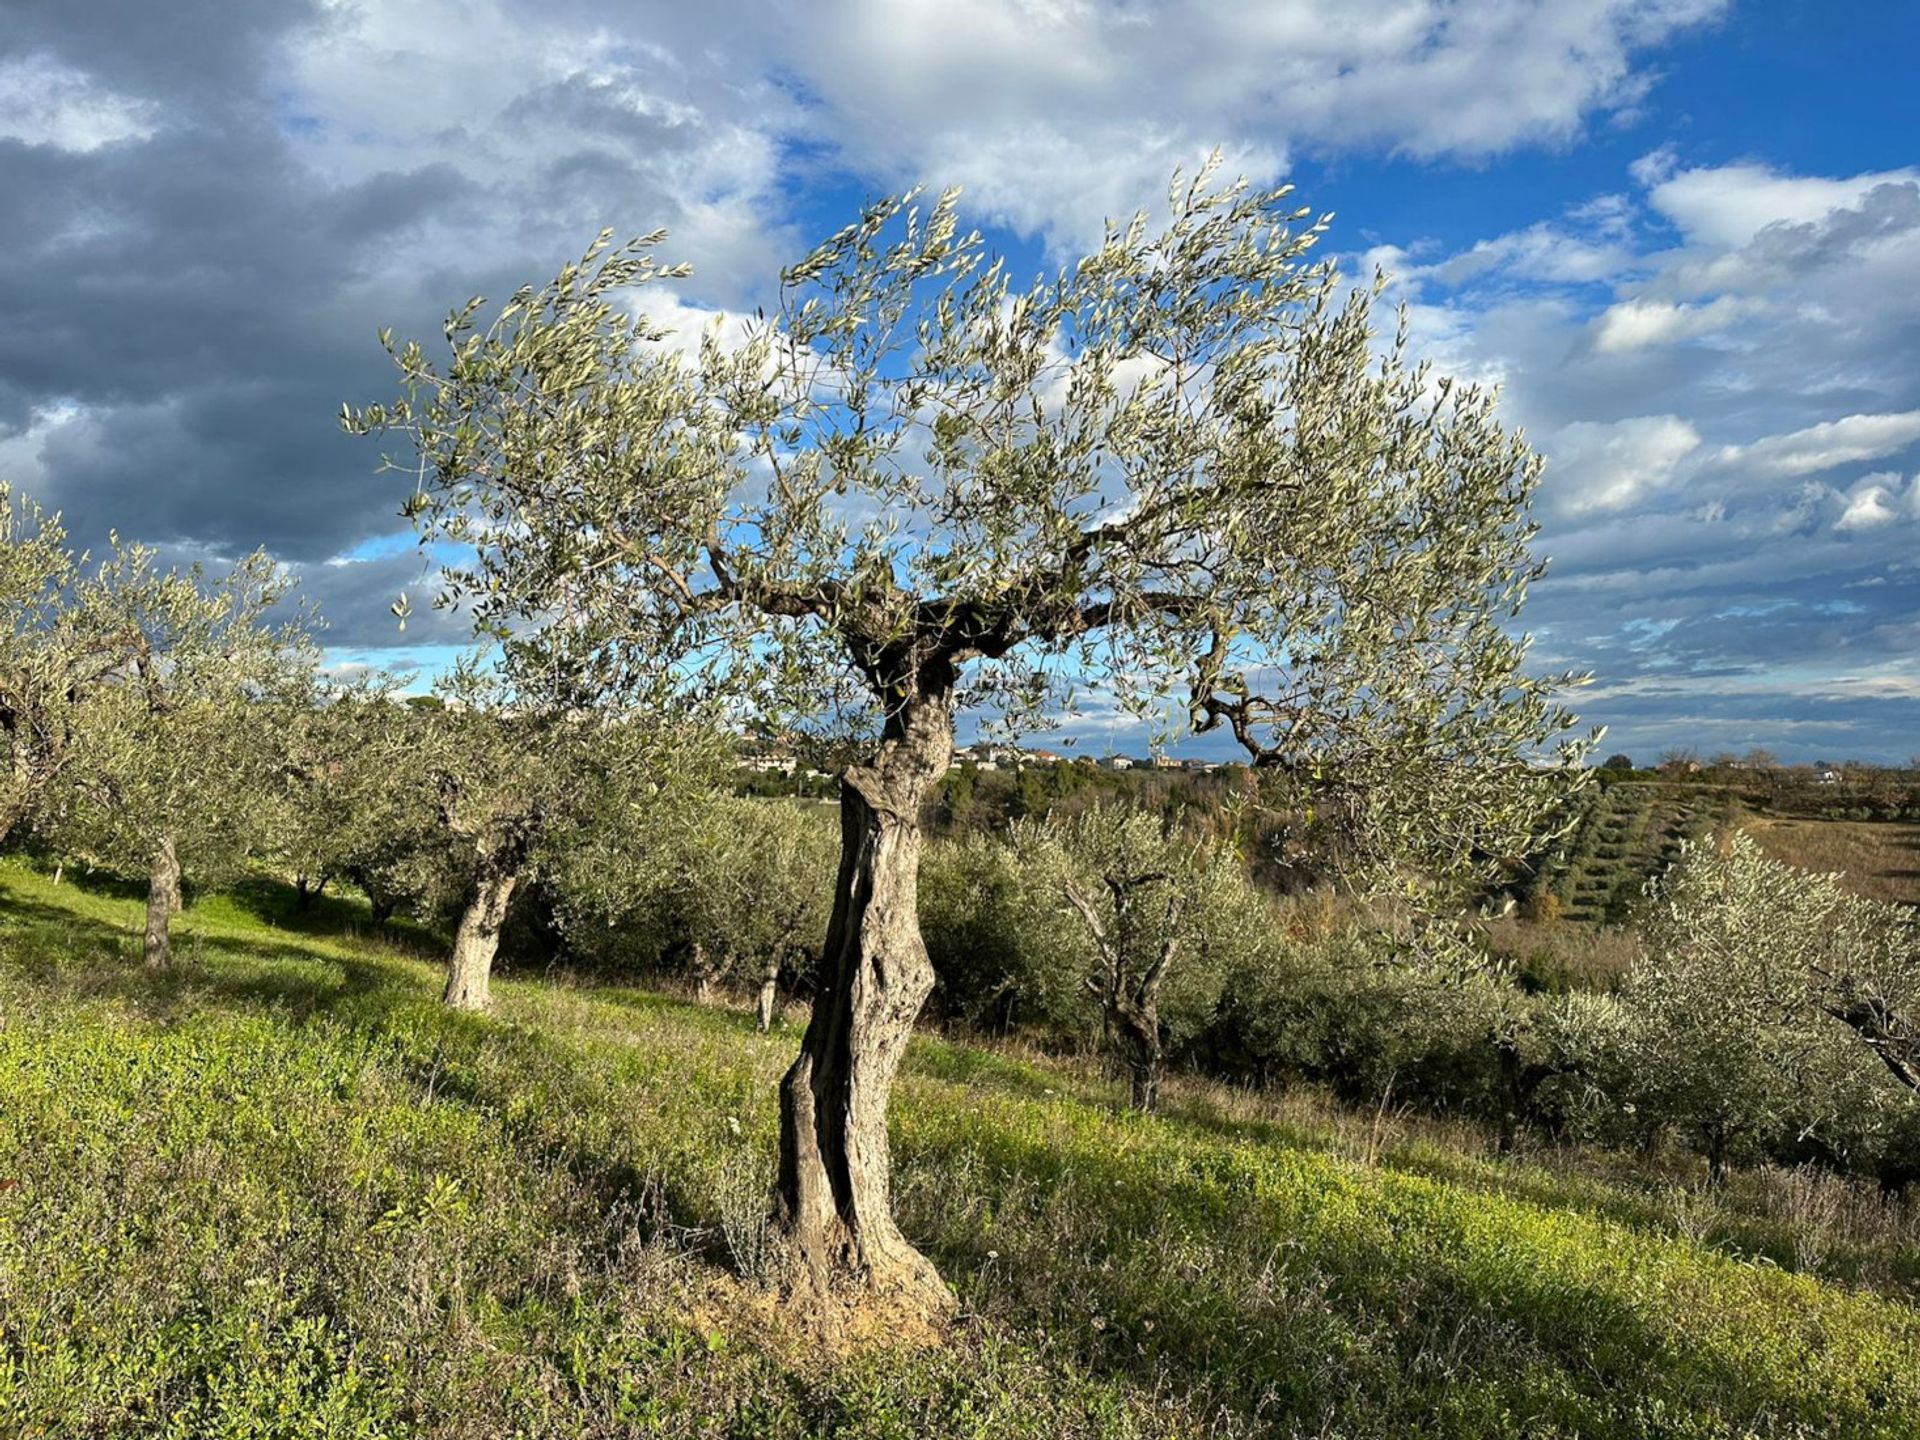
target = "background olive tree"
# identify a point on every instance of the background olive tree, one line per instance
(729, 890)
(177, 753)
(1154, 922)
(61, 640)
(525, 783)
(1771, 1009)
(1179, 464)
(353, 804)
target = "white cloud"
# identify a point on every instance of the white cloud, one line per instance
(1608, 466)
(43, 102)
(1879, 499)
(1634, 324)
(1819, 448)
(1727, 206)
(1018, 99)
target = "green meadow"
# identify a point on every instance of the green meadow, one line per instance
(281, 1191)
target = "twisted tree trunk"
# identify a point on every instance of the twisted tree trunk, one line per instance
(475, 943)
(834, 1192)
(163, 898)
(1139, 1035)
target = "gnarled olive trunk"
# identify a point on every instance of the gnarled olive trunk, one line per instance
(478, 939)
(769, 995)
(835, 1193)
(1138, 1033)
(163, 898)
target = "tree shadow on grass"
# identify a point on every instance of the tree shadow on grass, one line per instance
(442, 1056)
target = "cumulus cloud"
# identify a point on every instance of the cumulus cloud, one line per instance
(1879, 499)
(1608, 466)
(1636, 324)
(1709, 417)
(1018, 100)
(1826, 446)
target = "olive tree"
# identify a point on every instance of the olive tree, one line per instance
(1152, 907)
(522, 779)
(59, 643)
(175, 755)
(738, 886)
(352, 803)
(1722, 1048)
(1178, 464)
(1763, 991)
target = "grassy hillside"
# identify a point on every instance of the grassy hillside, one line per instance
(1627, 834)
(281, 1193)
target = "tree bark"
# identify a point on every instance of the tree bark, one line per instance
(1139, 1033)
(835, 1192)
(163, 898)
(478, 939)
(769, 995)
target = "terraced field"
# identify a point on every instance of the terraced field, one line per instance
(1628, 834)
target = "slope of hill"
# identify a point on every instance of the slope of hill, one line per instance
(280, 1192)
(1880, 859)
(1627, 834)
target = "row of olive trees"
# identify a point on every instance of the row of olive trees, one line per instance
(1770, 1016)
(175, 723)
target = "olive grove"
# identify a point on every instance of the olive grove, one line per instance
(1180, 466)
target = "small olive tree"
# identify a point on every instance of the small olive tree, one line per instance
(1179, 464)
(61, 640)
(1762, 993)
(176, 755)
(1732, 1005)
(1153, 908)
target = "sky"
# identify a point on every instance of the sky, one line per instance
(1683, 237)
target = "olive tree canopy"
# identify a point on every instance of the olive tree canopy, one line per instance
(1178, 467)
(178, 752)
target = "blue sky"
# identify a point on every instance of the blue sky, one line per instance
(1682, 235)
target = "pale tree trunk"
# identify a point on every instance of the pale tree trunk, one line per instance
(769, 995)
(478, 938)
(163, 898)
(1130, 1006)
(703, 972)
(835, 1190)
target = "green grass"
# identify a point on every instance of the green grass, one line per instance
(281, 1193)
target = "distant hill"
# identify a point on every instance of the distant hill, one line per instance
(1626, 835)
